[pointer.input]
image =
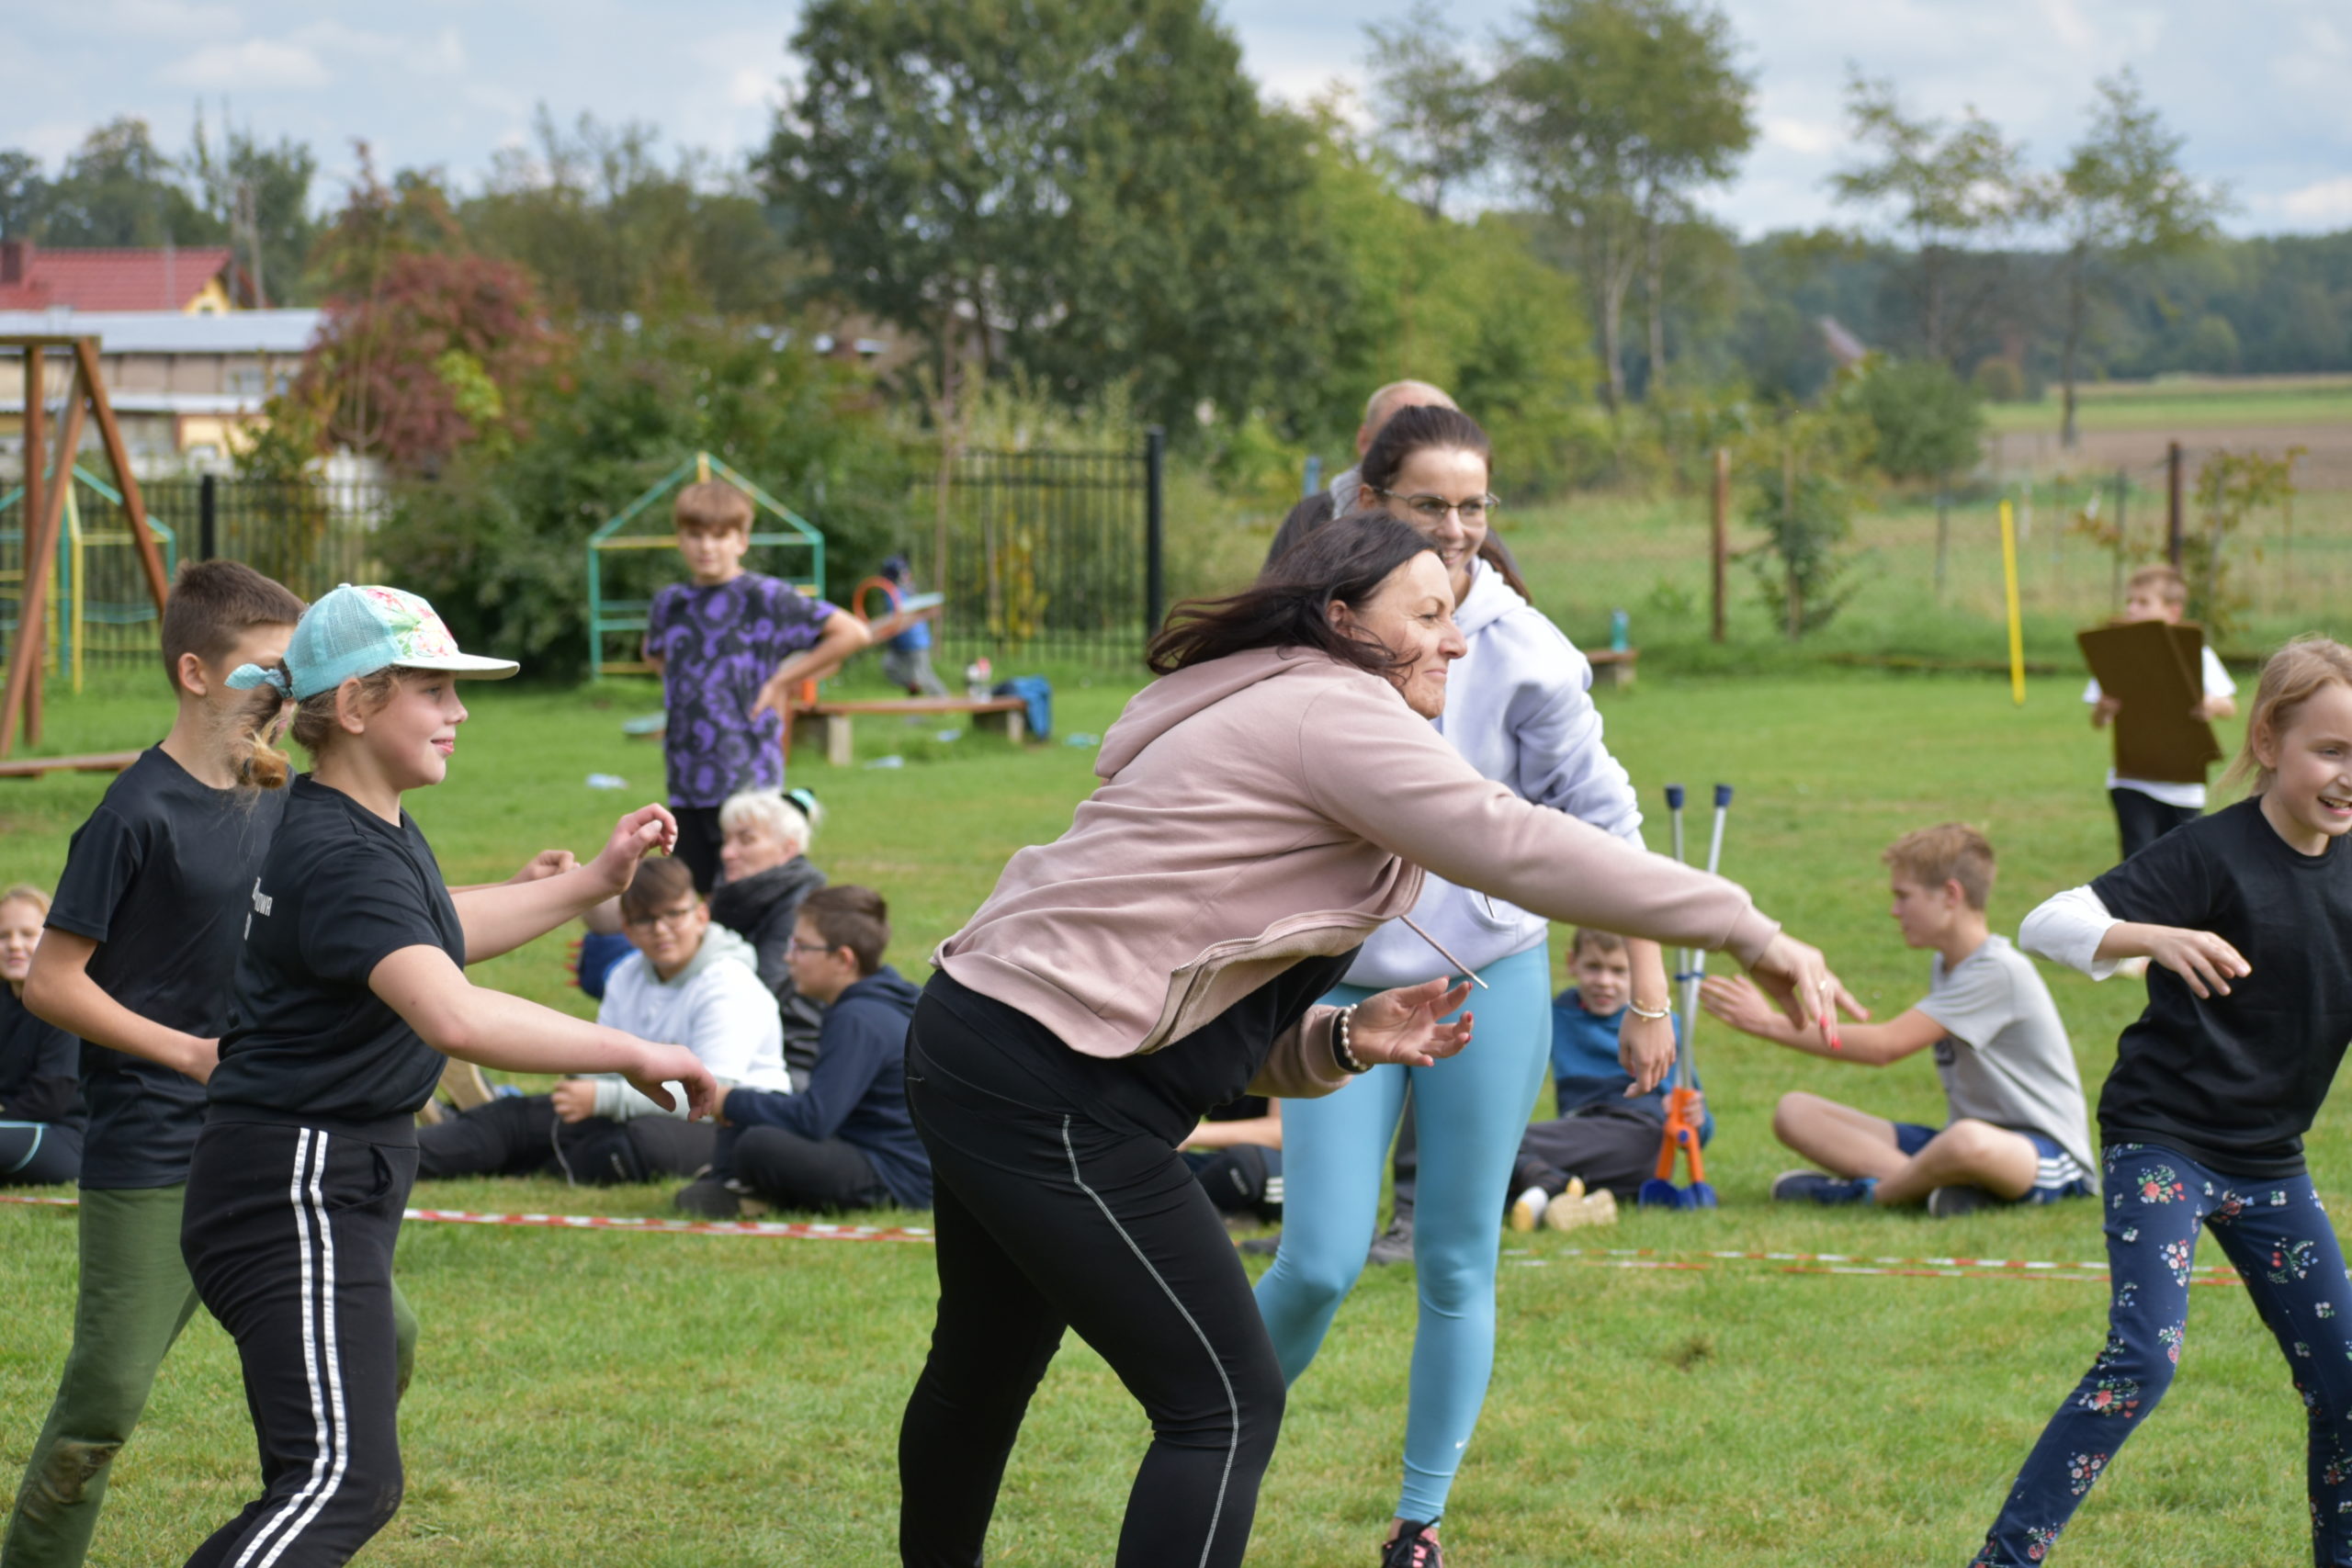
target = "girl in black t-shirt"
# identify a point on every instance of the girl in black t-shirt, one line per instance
(41, 1095)
(2246, 915)
(349, 992)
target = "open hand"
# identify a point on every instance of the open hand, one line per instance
(2203, 960)
(662, 1065)
(1404, 1025)
(1646, 1050)
(643, 830)
(1798, 980)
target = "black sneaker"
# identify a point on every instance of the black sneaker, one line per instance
(1949, 1203)
(1814, 1186)
(1394, 1245)
(707, 1200)
(1413, 1548)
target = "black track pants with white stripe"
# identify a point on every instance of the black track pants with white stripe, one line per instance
(288, 1234)
(1044, 1220)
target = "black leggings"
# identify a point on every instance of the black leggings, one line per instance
(1047, 1219)
(39, 1154)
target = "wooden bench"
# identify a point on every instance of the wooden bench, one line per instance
(96, 763)
(838, 717)
(1613, 666)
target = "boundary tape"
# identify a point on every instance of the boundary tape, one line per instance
(1848, 1265)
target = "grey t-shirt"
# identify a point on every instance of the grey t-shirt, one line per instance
(2004, 1057)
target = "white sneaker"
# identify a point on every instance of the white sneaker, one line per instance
(1527, 1209)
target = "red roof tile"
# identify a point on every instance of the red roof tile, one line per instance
(115, 279)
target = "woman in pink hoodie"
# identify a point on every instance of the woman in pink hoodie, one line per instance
(1266, 805)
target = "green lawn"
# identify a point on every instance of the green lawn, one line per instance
(2192, 403)
(597, 1398)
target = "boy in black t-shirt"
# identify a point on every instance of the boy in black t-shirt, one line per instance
(350, 988)
(135, 960)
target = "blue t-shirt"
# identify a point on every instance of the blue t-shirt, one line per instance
(1585, 1069)
(719, 644)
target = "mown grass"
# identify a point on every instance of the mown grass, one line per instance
(2199, 403)
(600, 1398)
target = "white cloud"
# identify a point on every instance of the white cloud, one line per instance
(2322, 204)
(166, 19)
(1810, 137)
(256, 64)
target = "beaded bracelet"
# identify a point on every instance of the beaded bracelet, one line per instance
(1340, 1046)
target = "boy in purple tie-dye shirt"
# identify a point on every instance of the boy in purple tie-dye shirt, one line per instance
(730, 645)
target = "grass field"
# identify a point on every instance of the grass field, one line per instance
(599, 1398)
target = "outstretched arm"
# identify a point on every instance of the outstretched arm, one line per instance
(503, 918)
(1737, 1002)
(459, 1018)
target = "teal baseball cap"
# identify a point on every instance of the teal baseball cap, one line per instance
(359, 630)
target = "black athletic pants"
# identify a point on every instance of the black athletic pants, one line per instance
(289, 1233)
(2142, 820)
(39, 1154)
(1609, 1146)
(1044, 1220)
(793, 1172)
(698, 840)
(520, 1135)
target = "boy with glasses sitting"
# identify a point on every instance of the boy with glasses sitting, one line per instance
(689, 981)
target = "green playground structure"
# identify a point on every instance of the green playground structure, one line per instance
(97, 604)
(621, 589)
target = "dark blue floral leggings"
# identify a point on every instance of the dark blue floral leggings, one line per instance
(2277, 1236)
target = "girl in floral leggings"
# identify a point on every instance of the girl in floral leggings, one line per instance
(2245, 914)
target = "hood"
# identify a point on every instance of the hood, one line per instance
(1488, 600)
(885, 985)
(741, 906)
(1171, 700)
(720, 945)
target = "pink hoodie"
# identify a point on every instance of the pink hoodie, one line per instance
(1272, 806)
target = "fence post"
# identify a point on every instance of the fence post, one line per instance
(207, 517)
(1719, 547)
(1155, 520)
(2173, 466)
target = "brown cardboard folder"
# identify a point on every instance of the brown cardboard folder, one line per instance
(2156, 671)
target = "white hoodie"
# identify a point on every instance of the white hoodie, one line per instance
(714, 1006)
(1519, 709)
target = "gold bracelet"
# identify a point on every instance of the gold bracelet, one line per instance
(1652, 1014)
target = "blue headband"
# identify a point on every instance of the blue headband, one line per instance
(245, 677)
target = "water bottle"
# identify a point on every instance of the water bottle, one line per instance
(1621, 637)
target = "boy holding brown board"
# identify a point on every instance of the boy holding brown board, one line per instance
(2161, 687)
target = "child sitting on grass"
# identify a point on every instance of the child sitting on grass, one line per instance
(2146, 810)
(1603, 1143)
(2016, 1131)
(731, 644)
(40, 1089)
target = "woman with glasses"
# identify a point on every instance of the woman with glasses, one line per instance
(1517, 709)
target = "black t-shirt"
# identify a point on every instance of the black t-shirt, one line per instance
(1163, 1095)
(310, 1043)
(39, 1068)
(2234, 1081)
(158, 879)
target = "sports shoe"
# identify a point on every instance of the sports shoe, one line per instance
(1573, 1209)
(1949, 1203)
(1527, 1209)
(1814, 1186)
(1413, 1548)
(707, 1200)
(1262, 1245)
(1394, 1245)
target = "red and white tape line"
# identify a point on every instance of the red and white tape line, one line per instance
(1837, 1263)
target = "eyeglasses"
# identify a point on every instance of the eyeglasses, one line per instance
(1433, 508)
(673, 918)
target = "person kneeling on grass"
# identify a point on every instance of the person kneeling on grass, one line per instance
(688, 981)
(1603, 1143)
(2017, 1132)
(846, 1141)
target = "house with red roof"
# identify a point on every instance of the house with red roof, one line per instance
(196, 280)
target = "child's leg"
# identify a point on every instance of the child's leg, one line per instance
(698, 840)
(133, 1299)
(1333, 1149)
(511, 1135)
(289, 1239)
(2155, 1203)
(2279, 1236)
(1470, 1111)
(1838, 1138)
(1969, 1153)
(1612, 1146)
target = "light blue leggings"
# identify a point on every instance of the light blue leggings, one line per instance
(1469, 1111)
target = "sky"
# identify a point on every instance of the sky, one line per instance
(2261, 88)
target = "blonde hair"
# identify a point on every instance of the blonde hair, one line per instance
(25, 893)
(777, 812)
(1949, 852)
(713, 506)
(2290, 678)
(314, 729)
(2170, 586)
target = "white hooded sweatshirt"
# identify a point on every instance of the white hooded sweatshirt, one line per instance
(1519, 709)
(714, 1006)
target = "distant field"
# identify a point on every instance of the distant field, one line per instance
(2186, 403)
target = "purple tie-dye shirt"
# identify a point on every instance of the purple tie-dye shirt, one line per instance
(718, 646)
